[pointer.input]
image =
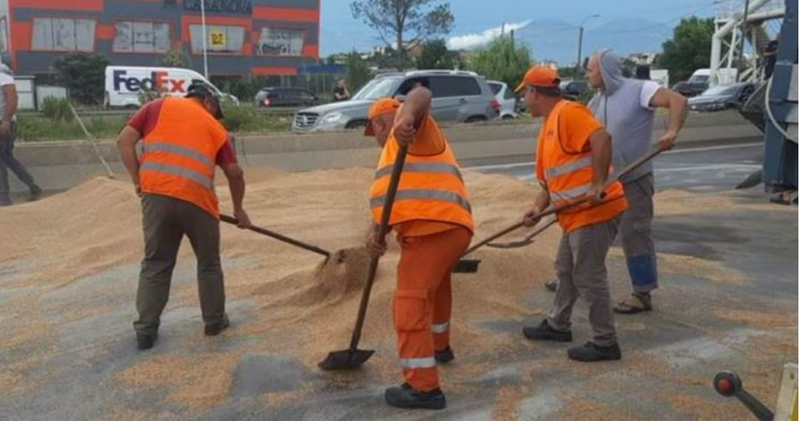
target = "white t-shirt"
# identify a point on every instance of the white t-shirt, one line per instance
(5, 79)
(649, 89)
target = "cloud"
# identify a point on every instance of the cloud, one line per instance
(469, 41)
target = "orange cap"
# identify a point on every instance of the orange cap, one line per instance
(381, 106)
(541, 76)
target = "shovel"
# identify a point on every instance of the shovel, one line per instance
(279, 237)
(354, 357)
(525, 241)
(467, 265)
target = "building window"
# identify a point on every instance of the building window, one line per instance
(280, 42)
(141, 37)
(221, 38)
(63, 34)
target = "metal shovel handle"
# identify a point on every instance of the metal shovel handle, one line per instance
(280, 237)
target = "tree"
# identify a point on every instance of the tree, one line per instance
(358, 73)
(502, 60)
(435, 55)
(173, 58)
(84, 76)
(689, 49)
(403, 24)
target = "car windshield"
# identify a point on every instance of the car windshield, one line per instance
(699, 79)
(378, 88)
(721, 90)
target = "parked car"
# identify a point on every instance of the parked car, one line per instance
(573, 89)
(505, 96)
(285, 97)
(722, 97)
(690, 89)
(458, 96)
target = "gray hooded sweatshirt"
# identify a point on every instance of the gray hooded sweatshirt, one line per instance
(619, 108)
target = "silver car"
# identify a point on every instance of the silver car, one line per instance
(458, 96)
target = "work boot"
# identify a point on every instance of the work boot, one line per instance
(216, 329)
(36, 193)
(552, 284)
(406, 397)
(444, 356)
(145, 341)
(544, 332)
(591, 352)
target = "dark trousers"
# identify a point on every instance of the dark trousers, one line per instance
(9, 162)
(166, 220)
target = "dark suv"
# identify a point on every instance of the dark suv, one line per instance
(285, 97)
(573, 89)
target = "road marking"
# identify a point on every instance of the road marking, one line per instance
(499, 166)
(711, 167)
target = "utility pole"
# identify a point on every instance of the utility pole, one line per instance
(578, 73)
(742, 40)
(205, 37)
(512, 40)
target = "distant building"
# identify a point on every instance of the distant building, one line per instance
(645, 59)
(243, 37)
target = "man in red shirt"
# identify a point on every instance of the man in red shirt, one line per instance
(183, 143)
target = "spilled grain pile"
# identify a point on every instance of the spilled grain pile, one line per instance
(73, 257)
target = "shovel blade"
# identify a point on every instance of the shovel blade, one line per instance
(752, 180)
(467, 266)
(345, 360)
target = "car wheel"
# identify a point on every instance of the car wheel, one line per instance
(357, 124)
(475, 119)
(508, 117)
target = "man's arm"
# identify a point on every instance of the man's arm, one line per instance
(678, 109)
(235, 175)
(126, 142)
(10, 94)
(600, 141)
(415, 108)
(539, 205)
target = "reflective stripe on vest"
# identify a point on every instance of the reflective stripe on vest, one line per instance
(429, 362)
(176, 149)
(429, 167)
(444, 196)
(440, 328)
(195, 176)
(571, 194)
(568, 168)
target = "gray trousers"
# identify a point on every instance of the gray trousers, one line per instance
(637, 236)
(9, 162)
(166, 220)
(581, 269)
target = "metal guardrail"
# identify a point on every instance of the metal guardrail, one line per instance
(280, 111)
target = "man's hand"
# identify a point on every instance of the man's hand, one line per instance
(376, 247)
(242, 219)
(667, 141)
(596, 194)
(138, 188)
(404, 130)
(531, 217)
(5, 130)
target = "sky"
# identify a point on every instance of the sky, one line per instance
(549, 28)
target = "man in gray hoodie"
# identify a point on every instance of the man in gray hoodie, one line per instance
(626, 107)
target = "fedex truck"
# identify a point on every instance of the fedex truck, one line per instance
(124, 84)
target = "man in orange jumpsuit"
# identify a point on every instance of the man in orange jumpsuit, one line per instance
(433, 221)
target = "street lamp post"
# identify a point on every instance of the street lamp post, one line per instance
(580, 45)
(205, 37)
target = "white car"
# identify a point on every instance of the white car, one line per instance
(505, 96)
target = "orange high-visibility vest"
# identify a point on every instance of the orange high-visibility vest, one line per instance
(431, 187)
(568, 177)
(179, 154)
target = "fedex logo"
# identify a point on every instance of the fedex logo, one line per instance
(158, 81)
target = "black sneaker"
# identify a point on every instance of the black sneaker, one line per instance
(216, 329)
(551, 285)
(444, 356)
(591, 352)
(145, 341)
(544, 332)
(36, 193)
(406, 397)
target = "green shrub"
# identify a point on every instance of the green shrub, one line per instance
(57, 109)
